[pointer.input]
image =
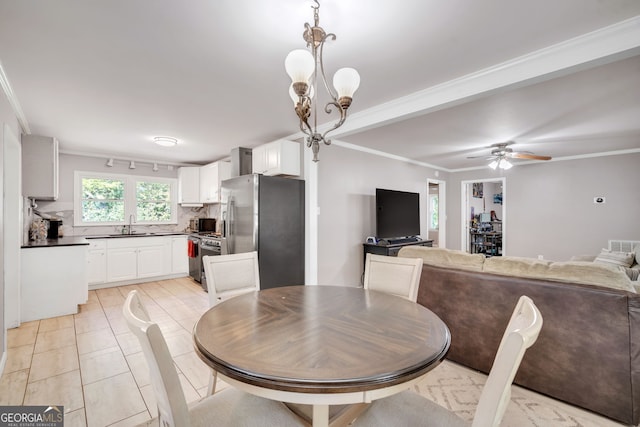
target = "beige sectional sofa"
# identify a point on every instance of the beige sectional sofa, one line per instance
(588, 352)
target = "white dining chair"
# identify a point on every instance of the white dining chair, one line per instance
(393, 275)
(229, 407)
(228, 276)
(410, 409)
(231, 275)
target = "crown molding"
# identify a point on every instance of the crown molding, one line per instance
(13, 101)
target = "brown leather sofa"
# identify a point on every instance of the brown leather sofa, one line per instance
(588, 352)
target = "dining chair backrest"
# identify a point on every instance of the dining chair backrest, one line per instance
(520, 334)
(393, 275)
(172, 406)
(231, 275)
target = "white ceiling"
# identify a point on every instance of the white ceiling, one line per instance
(104, 77)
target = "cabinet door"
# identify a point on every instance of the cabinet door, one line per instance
(189, 185)
(179, 258)
(39, 167)
(122, 264)
(150, 261)
(258, 160)
(209, 183)
(97, 267)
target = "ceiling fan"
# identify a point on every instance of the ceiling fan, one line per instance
(501, 152)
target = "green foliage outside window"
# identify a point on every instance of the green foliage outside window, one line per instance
(102, 200)
(113, 199)
(153, 201)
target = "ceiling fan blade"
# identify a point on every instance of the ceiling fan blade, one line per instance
(528, 156)
(482, 157)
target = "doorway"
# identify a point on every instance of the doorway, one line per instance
(436, 216)
(484, 216)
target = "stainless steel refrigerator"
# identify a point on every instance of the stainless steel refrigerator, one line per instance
(266, 214)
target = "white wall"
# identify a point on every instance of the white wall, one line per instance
(550, 209)
(346, 197)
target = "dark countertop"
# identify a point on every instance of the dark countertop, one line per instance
(62, 241)
(120, 236)
(84, 240)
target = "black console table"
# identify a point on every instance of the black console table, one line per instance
(392, 249)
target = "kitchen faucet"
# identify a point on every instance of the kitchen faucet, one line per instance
(130, 226)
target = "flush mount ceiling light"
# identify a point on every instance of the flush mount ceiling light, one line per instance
(304, 68)
(165, 141)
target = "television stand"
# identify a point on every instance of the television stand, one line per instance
(392, 247)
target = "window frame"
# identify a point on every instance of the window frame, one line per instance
(130, 198)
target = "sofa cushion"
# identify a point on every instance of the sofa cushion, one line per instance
(624, 259)
(448, 258)
(587, 273)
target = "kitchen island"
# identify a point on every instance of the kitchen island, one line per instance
(53, 277)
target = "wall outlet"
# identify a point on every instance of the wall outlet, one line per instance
(599, 200)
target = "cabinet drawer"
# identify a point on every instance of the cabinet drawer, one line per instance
(95, 244)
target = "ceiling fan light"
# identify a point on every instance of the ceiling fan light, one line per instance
(493, 165)
(505, 164)
(300, 65)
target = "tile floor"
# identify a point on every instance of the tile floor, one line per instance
(73, 360)
(90, 362)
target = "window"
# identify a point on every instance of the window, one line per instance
(110, 199)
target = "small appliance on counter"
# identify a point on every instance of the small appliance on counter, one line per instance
(54, 228)
(207, 224)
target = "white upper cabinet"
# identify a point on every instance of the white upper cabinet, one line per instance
(39, 167)
(189, 186)
(211, 176)
(280, 157)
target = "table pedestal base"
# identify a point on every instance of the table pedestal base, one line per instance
(327, 415)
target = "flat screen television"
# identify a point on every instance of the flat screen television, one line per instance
(397, 214)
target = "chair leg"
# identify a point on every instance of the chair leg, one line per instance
(213, 379)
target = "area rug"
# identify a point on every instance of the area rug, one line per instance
(458, 389)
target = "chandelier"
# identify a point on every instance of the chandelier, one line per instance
(304, 67)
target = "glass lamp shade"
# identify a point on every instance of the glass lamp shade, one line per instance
(505, 164)
(346, 81)
(300, 65)
(493, 165)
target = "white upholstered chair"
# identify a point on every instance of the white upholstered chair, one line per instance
(229, 407)
(393, 275)
(410, 409)
(229, 276)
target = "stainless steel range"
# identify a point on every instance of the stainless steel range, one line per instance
(207, 244)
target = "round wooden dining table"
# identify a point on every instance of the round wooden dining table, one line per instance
(321, 346)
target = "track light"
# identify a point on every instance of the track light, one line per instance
(155, 167)
(110, 163)
(132, 164)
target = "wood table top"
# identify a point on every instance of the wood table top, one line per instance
(321, 339)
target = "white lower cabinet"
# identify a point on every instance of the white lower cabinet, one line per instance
(97, 262)
(179, 258)
(131, 258)
(122, 264)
